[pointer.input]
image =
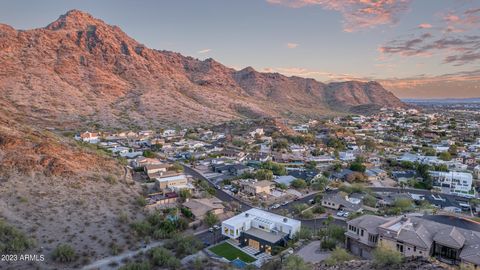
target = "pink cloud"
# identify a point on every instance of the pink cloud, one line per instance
(424, 26)
(357, 14)
(292, 45)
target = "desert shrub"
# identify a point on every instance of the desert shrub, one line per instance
(328, 244)
(337, 256)
(136, 266)
(13, 240)
(64, 253)
(384, 256)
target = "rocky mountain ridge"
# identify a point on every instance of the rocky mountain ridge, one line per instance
(79, 70)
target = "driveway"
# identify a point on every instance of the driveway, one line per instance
(311, 253)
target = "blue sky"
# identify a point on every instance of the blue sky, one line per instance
(416, 48)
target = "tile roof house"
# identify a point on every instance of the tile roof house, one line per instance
(200, 207)
(414, 236)
(337, 201)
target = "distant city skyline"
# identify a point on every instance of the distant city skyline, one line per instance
(415, 48)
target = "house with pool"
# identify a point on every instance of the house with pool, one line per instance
(260, 230)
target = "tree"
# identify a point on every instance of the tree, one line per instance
(164, 258)
(304, 233)
(64, 253)
(276, 168)
(445, 156)
(311, 165)
(264, 174)
(282, 186)
(453, 150)
(320, 183)
(369, 200)
(357, 167)
(336, 232)
(295, 262)
(176, 167)
(299, 207)
(299, 183)
(185, 194)
(183, 245)
(355, 177)
(148, 154)
(307, 214)
(403, 204)
(441, 168)
(384, 256)
(210, 218)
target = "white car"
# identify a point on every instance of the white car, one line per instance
(340, 213)
(346, 214)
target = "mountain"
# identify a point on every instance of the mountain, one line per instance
(79, 70)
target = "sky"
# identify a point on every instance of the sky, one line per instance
(415, 48)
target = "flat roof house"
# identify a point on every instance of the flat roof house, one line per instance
(258, 187)
(260, 230)
(174, 182)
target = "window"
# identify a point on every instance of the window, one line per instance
(361, 233)
(400, 248)
(415, 249)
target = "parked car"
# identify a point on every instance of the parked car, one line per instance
(346, 214)
(210, 229)
(340, 213)
(216, 227)
(311, 201)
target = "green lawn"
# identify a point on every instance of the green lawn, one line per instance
(230, 253)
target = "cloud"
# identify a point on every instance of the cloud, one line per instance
(452, 85)
(292, 45)
(462, 21)
(357, 14)
(204, 51)
(424, 26)
(455, 42)
(459, 50)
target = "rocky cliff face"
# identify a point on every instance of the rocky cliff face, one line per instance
(80, 69)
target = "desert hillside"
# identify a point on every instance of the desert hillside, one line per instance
(56, 191)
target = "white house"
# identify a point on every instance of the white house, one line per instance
(260, 230)
(459, 182)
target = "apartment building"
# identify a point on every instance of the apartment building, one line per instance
(260, 230)
(413, 236)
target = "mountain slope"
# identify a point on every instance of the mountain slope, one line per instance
(78, 68)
